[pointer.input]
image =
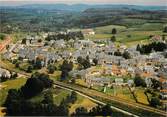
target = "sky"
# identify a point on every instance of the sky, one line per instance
(131, 2)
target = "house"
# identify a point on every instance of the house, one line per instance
(117, 71)
(163, 94)
(148, 82)
(130, 83)
(79, 74)
(156, 38)
(88, 32)
(98, 81)
(5, 73)
(59, 44)
(119, 81)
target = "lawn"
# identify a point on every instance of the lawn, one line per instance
(10, 84)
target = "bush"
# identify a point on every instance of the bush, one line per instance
(139, 81)
(155, 102)
(51, 69)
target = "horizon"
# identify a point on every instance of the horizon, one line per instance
(87, 2)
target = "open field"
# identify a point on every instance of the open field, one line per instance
(59, 95)
(141, 97)
(82, 102)
(10, 84)
(129, 36)
(108, 29)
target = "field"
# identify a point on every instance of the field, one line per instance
(141, 97)
(82, 102)
(129, 36)
(10, 84)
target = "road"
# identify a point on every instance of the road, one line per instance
(4, 43)
(99, 102)
(93, 94)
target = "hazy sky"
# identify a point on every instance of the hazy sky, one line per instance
(132, 2)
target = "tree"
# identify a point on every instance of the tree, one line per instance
(38, 64)
(155, 102)
(13, 102)
(32, 87)
(80, 60)
(14, 75)
(101, 111)
(36, 84)
(51, 69)
(113, 38)
(48, 98)
(139, 81)
(126, 55)
(73, 97)
(117, 53)
(66, 67)
(138, 48)
(114, 31)
(63, 108)
(86, 64)
(165, 29)
(47, 83)
(30, 68)
(17, 64)
(95, 61)
(156, 84)
(24, 41)
(81, 111)
(106, 110)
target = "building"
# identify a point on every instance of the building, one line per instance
(88, 32)
(98, 81)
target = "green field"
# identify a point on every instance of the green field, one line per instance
(108, 29)
(129, 36)
(10, 84)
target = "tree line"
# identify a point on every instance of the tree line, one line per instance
(156, 46)
(71, 35)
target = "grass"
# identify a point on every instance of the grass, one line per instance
(82, 102)
(124, 93)
(98, 36)
(108, 29)
(151, 27)
(10, 84)
(139, 32)
(81, 82)
(59, 95)
(141, 97)
(118, 91)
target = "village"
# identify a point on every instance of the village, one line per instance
(107, 70)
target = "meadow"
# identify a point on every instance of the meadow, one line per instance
(128, 35)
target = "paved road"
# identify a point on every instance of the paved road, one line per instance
(99, 102)
(94, 93)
